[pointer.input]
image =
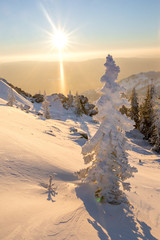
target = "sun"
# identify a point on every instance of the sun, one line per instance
(60, 40)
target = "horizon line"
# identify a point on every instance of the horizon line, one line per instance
(85, 56)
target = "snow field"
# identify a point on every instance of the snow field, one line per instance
(33, 149)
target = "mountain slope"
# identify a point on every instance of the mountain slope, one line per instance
(141, 81)
(33, 149)
(4, 87)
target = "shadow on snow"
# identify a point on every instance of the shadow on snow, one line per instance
(113, 221)
(141, 146)
(50, 194)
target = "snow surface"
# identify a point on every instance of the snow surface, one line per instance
(141, 81)
(32, 149)
(4, 87)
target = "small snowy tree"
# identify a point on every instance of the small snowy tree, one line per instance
(134, 110)
(106, 150)
(11, 97)
(45, 105)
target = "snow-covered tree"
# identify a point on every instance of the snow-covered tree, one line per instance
(106, 150)
(11, 97)
(134, 110)
(45, 105)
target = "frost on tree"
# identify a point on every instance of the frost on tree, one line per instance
(45, 105)
(106, 153)
(11, 97)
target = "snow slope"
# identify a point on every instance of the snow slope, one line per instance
(92, 94)
(4, 87)
(32, 149)
(141, 81)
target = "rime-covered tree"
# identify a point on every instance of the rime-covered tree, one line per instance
(134, 110)
(11, 97)
(45, 105)
(105, 152)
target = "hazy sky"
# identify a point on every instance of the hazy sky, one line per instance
(125, 28)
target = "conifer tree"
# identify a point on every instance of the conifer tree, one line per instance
(106, 150)
(11, 97)
(146, 113)
(45, 105)
(70, 99)
(155, 136)
(134, 110)
(149, 118)
(77, 104)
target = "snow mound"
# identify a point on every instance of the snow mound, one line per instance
(4, 87)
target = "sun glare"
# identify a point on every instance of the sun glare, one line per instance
(60, 40)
